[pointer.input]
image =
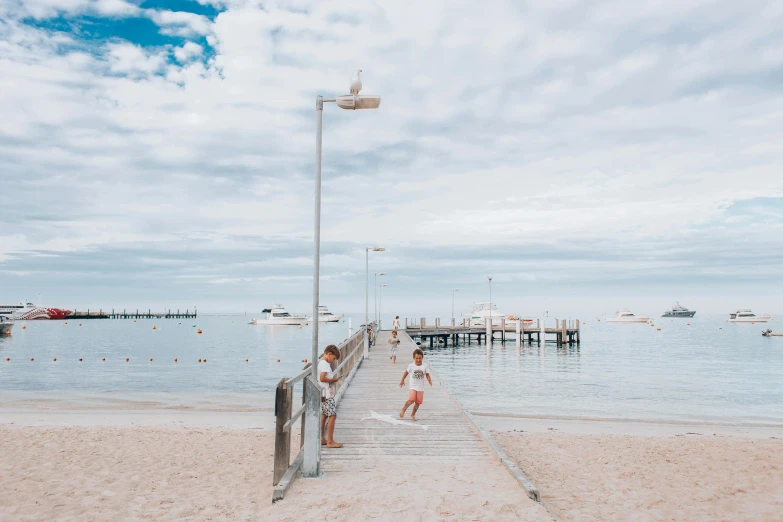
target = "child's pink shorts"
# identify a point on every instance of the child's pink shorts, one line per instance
(416, 396)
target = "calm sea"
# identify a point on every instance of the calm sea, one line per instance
(708, 371)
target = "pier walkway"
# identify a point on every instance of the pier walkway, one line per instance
(439, 467)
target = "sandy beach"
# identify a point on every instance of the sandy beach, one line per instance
(88, 465)
(685, 476)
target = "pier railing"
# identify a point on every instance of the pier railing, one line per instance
(351, 354)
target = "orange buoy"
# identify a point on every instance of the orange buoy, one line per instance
(154, 327)
(32, 359)
(205, 360)
(80, 359)
(199, 360)
(7, 359)
(54, 359)
(689, 324)
(104, 359)
(23, 327)
(659, 329)
(127, 359)
(305, 360)
(278, 360)
(199, 331)
(245, 360)
(175, 359)
(66, 322)
(134, 320)
(150, 359)
(80, 324)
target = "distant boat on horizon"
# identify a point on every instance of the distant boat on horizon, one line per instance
(625, 316)
(679, 311)
(278, 315)
(745, 315)
(325, 316)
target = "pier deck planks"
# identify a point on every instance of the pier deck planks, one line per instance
(370, 443)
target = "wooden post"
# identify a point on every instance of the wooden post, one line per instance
(488, 335)
(503, 329)
(283, 402)
(519, 332)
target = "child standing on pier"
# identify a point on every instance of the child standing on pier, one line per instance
(328, 405)
(417, 370)
(394, 342)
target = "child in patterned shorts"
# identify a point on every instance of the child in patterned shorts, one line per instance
(328, 405)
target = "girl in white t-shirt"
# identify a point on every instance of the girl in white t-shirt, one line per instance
(328, 405)
(418, 369)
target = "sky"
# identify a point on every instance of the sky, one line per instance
(587, 156)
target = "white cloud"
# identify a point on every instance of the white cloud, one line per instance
(519, 125)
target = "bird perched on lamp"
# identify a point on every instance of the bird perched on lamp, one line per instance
(356, 83)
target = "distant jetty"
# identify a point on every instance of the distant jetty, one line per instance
(125, 314)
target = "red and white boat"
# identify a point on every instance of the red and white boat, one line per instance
(29, 312)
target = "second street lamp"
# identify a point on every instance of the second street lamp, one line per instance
(380, 303)
(453, 292)
(367, 298)
(375, 292)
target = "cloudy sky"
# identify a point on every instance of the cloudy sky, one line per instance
(589, 156)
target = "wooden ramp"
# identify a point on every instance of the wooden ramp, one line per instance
(370, 441)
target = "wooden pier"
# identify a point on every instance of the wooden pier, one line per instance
(445, 446)
(564, 332)
(124, 314)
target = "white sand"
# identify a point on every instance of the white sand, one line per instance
(184, 473)
(622, 477)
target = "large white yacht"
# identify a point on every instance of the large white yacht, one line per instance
(625, 316)
(485, 310)
(277, 314)
(325, 316)
(744, 315)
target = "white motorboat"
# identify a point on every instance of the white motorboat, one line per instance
(625, 316)
(325, 316)
(6, 325)
(277, 314)
(485, 310)
(744, 315)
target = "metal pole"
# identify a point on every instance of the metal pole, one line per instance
(366, 302)
(379, 310)
(489, 337)
(375, 294)
(311, 464)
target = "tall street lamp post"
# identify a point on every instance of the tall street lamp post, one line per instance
(380, 303)
(453, 293)
(353, 101)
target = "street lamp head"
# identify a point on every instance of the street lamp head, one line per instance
(490, 278)
(378, 249)
(384, 285)
(354, 102)
(456, 289)
(382, 273)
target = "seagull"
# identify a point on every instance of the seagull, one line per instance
(356, 83)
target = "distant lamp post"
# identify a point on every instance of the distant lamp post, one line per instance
(489, 336)
(354, 101)
(380, 304)
(453, 292)
(375, 292)
(367, 297)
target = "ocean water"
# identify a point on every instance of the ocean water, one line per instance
(709, 371)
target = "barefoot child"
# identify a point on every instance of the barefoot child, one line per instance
(417, 370)
(328, 405)
(393, 342)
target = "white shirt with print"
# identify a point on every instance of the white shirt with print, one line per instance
(416, 375)
(328, 389)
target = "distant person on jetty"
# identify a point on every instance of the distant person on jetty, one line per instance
(328, 404)
(396, 323)
(394, 342)
(417, 370)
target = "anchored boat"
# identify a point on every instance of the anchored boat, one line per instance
(277, 314)
(6, 325)
(625, 316)
(745, 315)
(325, 316)
(679, 311)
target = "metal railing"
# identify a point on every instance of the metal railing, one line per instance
(351, 354)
